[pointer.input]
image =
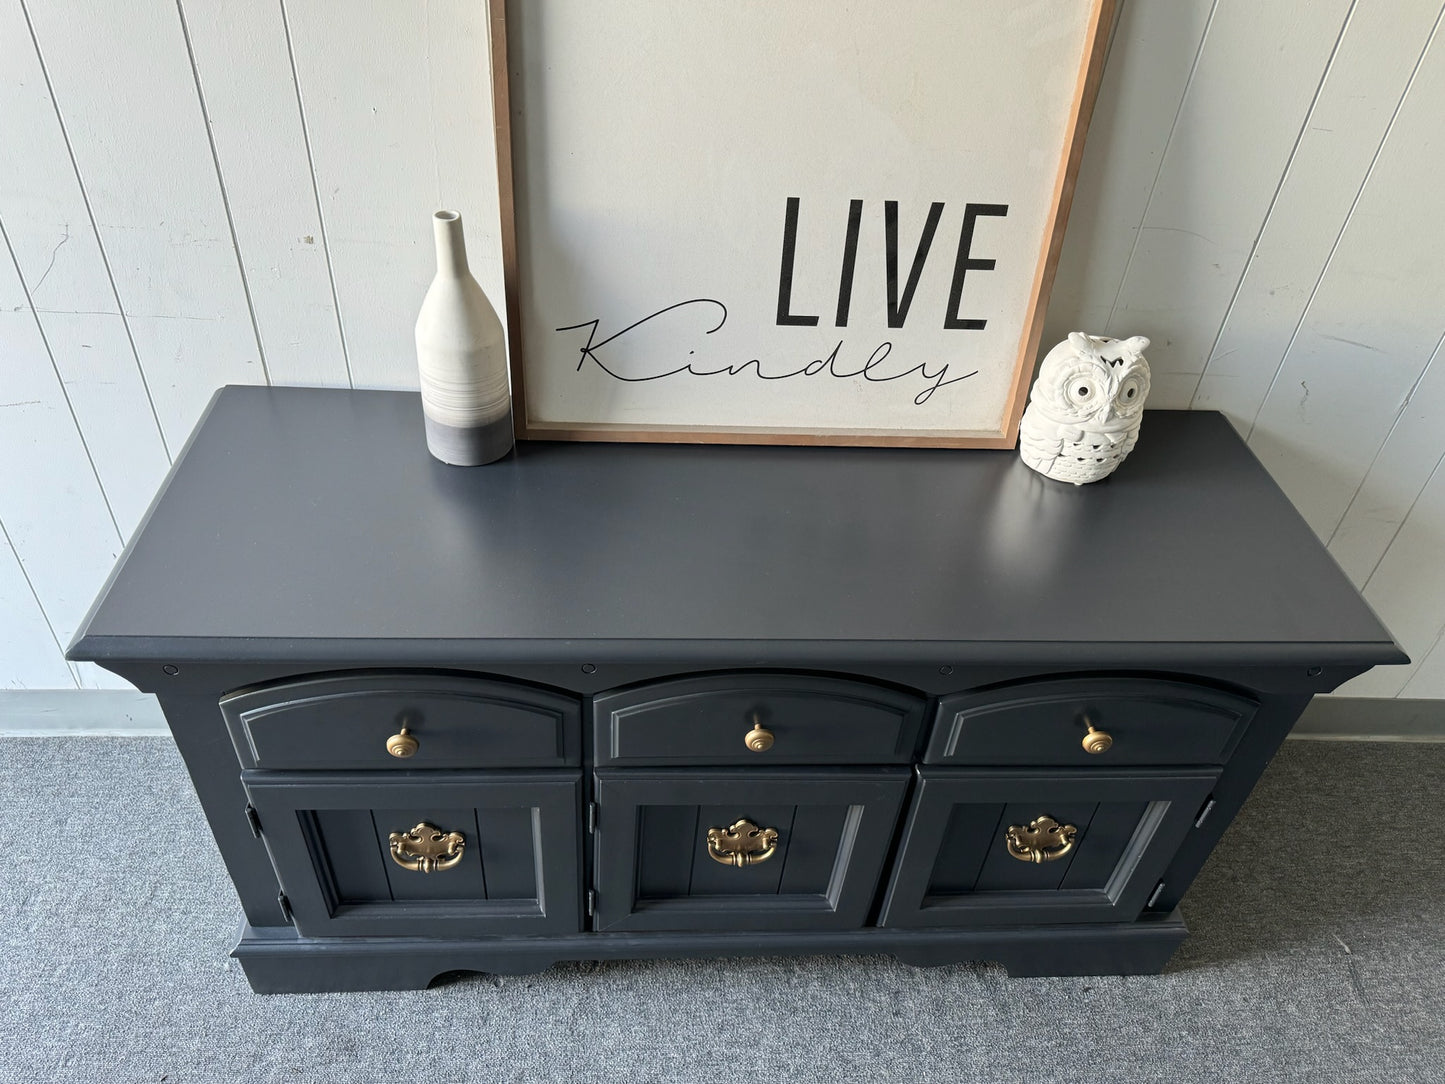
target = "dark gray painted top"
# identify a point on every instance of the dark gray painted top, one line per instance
(312, 524)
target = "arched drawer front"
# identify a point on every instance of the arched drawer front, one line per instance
(344, 721)
(1148, 721)
(708, 720)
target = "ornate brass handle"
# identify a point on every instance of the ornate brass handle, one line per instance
(1044, 840)
(402, 744)
(426, 848)
(1096, 740)
(742, 844)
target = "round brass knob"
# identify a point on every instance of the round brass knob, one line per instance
(402, 744)
(759, 739)
(1096, 740)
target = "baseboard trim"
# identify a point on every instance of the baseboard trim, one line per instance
(119, 713)
(126, 713)
(1354, 718)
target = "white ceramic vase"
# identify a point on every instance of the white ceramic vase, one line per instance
(462, 357)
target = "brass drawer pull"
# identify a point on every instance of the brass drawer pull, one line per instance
(427, 849)
(1044, 840)
(742, 844)
(1096, 740)
(402, 744)
(759, 739)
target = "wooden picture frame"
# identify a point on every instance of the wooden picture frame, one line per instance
(614, 223)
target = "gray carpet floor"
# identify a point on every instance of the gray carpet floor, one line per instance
(1318, 954)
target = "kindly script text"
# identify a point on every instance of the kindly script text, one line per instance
(686, 321)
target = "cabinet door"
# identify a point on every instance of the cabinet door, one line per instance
(1015, 847)
(775, 850)
(436, 855)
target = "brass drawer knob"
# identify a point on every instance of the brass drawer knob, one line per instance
(742, 844)
(1096, 740)
(759, 739)
(427, 849)
(1042, 840)
(402, 744)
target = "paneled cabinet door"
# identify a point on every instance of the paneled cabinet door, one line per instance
(445, 854)
(768, 850)
(1004, 847)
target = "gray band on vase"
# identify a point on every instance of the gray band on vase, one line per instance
(469, 446)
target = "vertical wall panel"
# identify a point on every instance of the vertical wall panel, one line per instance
(61, 263)
(123, 84)
(1256, 77)
(1356, 104)
(94, 357)
(1429, 680)
(1411, 453)
(50, 502)
(31, 657)
(1373, 323)
(244, 64)
(398, 107)
(1151, 58)
(1408, 592)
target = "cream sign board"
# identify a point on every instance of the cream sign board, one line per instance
(797, 222)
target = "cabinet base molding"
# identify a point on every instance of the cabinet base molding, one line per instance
(276, 960)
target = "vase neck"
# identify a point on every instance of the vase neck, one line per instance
(451, 244)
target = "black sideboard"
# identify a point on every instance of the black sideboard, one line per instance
(611, 700)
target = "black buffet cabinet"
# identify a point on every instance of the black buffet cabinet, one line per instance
(601, 701)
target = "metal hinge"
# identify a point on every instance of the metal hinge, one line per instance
(1154, 896)
(285, 905)
(591, 903)
(591, 817)
(1204, 811)
(254, 820)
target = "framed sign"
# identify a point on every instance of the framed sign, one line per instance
(797, 222)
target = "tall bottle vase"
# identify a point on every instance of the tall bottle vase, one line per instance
(462, 358)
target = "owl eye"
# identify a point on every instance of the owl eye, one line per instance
(1082, 390)
(1131, 394)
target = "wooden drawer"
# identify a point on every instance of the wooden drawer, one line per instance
(657, 868)
(709, 720)
(344, 721)
(1045, 722)
(516, 869)
(956, 867)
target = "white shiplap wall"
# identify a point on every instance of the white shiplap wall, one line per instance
(199, 192)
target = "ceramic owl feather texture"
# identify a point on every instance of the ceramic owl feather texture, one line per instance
(1085, 407)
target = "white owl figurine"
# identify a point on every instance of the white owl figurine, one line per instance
(1085, 408)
